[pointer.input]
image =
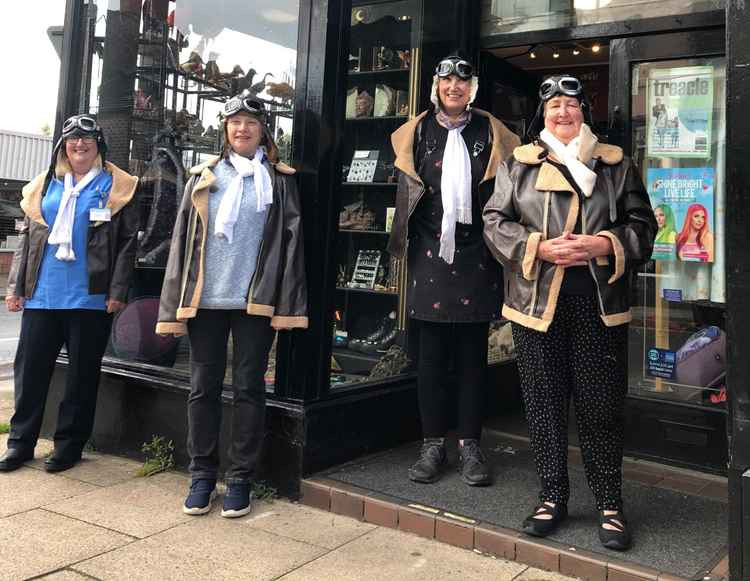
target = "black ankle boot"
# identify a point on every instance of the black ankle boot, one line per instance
(431, 462)
(472, 464)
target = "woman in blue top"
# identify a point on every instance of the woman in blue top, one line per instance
(71, 271)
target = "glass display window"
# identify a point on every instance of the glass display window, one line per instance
(677, 338)
(370, 329)
(159, 72)
(511, 16)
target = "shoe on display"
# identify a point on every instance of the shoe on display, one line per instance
(472, 464)
(14, 458)
(201, 495)
(238, 501)
(432, 460)
(382, 344)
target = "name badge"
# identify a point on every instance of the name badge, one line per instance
(100, 214)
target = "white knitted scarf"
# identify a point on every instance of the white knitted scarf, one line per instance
(455, 190)
(573, 158)
(62, 229)
(229, 208)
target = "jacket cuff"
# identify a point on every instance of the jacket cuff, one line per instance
(619, 255)
(278, 321)
(176, 329)
(529, 257)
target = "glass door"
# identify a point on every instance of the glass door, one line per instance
(671, 117)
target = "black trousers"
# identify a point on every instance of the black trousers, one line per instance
(580, 357)
(85, 334)
(252, 337)
(466, 345)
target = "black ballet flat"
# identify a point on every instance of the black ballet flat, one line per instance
(537, 527)
(619, 538)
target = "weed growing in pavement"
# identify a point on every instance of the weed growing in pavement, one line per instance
(159, 456)
(264, 492)
(4, 428)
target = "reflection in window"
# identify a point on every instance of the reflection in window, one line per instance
(505, 16)
(156, 76)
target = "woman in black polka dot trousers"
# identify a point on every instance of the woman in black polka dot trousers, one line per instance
(447, 158)
(569, 220)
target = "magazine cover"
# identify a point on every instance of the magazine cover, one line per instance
(679, 111)
(683, 203)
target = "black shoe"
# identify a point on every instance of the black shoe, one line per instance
(13, 459)
(472, 464)
(537, 527)
(431, 462)
(618, 539)
(60, 463)
(382, 344)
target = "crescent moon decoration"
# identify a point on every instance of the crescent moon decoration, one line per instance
(359, 15)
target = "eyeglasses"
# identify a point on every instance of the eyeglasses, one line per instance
(569, 86)
(450, 66)
(88, 139)
(80, 122)
(237, 104)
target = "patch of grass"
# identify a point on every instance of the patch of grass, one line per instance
(159, 456)
(264, 492)
(4, 428)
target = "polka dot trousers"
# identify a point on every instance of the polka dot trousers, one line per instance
(580, 357)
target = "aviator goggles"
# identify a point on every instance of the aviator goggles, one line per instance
(80, 124)
(454, 66)
(569, 86)
(240, 103)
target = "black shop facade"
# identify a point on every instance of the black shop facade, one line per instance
(668, 84)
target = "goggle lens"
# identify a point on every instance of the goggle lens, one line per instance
(84, 123)
(236, 104)
(569, 86)
(449, 66)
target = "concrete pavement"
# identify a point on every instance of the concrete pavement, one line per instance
(10, 329)
(98, 520)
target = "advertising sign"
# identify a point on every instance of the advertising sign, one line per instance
(680, 107)
(683, 203)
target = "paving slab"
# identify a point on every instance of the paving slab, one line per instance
(301, 523)
(43, 447)
(66, 575)
(28, 489)
(38, 542)
(208, 547)
(139, 507)
(396, 556)
(534, 574)
(101, 470)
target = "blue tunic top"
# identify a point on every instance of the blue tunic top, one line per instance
(230, 267)
(65, 284)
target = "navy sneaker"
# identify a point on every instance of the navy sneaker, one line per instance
(238, 501)
(201, 495)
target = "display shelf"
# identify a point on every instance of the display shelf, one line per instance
(367, 291)
(370, 184)
(373, 118)
(355, 231)
(365, 74)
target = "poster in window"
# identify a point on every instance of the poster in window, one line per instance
(683, 203)
(680, 107)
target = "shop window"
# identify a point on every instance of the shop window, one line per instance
(157, 75)
(511, 16)
(677, 338)
(373, 337)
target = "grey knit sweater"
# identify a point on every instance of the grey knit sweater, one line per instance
(230, 267)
